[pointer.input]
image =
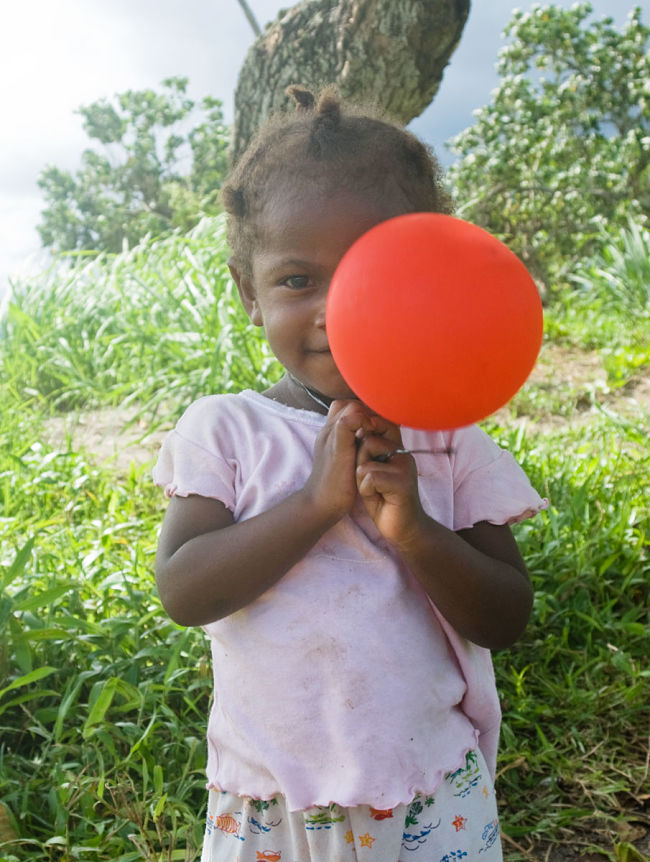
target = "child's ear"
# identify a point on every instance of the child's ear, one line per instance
(246, 293)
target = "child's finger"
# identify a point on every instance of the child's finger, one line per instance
(352, 415)
(366, 484)
(388, 430)
(389, 481)
(376, 447)
(336, 407)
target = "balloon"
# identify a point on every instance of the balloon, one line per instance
(433, 322)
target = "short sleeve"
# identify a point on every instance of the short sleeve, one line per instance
(189, 463)
(489, 485)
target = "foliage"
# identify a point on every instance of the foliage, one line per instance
(150, 177)
(103, 701)
(619, 274)
(614, 300)
(575, 686)
(564, 145)
(610, 309)
(160, 322)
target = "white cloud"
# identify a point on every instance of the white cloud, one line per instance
(58, 54)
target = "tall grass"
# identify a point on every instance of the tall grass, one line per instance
(159, 323)
(610, 309)
(619, 274)
(104, 701)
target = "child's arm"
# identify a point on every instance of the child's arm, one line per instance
(209, 566)
(475, 577)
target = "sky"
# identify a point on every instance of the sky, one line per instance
(56, 56)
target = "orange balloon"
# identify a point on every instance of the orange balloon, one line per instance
(432, 321)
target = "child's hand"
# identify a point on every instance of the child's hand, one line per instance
(332, 485)
(389, 488)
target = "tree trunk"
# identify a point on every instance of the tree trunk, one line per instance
(391, 53)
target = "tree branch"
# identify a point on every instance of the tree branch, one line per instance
(250, 17)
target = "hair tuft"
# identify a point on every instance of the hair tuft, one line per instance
(303, 97)
(234, 200)
(352, 147)
(329, 108)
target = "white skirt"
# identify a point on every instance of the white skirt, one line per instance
(458, 822)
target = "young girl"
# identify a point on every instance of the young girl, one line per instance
(351, 592)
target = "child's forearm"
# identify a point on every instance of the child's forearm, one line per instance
(207, 566)
(217, 572)
(487, 599)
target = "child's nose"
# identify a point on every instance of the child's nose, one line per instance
(321, 309)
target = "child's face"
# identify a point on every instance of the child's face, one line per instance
(304, 234)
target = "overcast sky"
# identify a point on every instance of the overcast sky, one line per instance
(58, 54)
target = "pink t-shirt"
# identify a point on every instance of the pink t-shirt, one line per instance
(342, 682)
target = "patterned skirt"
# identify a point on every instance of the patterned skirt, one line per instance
(458, 822)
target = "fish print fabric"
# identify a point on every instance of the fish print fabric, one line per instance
(458, 822)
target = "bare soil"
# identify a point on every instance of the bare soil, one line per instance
(110, 434)
(577, 377)
(581, 388)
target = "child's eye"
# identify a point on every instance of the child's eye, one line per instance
(297, 282)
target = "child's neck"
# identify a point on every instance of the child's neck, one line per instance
(320, 400)
(294, 393)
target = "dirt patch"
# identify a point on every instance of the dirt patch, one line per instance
(631, 839)
(572, 384)
(114, 434)
(568, 387)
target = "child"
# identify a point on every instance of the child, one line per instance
(351, 593)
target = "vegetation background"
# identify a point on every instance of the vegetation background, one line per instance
(103, 701)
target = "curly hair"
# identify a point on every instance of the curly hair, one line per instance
(356, 147)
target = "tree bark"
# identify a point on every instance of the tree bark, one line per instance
(391, 53)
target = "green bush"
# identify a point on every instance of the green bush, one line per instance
(565, 142)
(609, 308)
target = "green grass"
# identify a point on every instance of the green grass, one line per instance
(161, 323)
(610, 309)
(104, 701)
(576, 686)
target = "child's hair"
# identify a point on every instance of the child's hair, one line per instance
(358, 147)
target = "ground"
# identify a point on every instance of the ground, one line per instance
(567, 387)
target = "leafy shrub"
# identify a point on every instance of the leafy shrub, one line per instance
(617, 277)
(565, 141)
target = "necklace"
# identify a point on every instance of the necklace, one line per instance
(311, 393)
(386, 456)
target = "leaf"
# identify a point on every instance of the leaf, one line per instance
(626, 852)
(159, 806)
(19, 563)
(29, 678)
(100, 706)
(44, 598)
(7, 830)
(22, 651)
(67, 701)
